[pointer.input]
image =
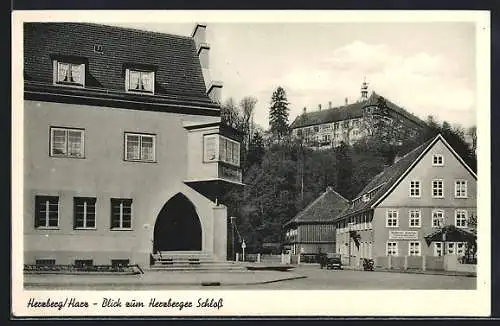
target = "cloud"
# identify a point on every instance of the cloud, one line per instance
(421, 82)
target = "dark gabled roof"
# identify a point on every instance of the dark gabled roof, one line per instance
(174, 58)
(451, 234)
(325, 208)
(383, 183)
(350, 111)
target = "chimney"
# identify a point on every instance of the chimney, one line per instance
(202, 49)
(329, 188)
(346, 101)
(329, 104)
(214, 91)
(305, 109)
(319, 107)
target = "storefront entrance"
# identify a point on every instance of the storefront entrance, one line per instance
(177, 227)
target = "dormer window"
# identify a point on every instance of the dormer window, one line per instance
(140, 81)
(69, 73)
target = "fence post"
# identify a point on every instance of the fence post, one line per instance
(389, 262)
(258, 257)
(406, 263)
(237, 256)
(424, 263)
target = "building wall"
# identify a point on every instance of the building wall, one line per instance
(104, 174)
(399, 200)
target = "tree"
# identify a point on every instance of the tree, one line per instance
(247, 106)
(230, 115)
(278, 114)
(256, 150)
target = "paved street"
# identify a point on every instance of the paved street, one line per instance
(313, 278)
(321, 279)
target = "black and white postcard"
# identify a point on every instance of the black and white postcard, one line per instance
(265, 163)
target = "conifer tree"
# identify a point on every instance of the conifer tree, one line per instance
(278, 114)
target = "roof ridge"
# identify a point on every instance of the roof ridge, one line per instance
(135, 29)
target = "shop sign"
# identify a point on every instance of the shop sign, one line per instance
(403, 235)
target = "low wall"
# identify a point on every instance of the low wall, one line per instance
(397, 262)
(414, 262)
(382, 262)
(434, 263)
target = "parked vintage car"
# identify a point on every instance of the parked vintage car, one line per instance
(331, 260)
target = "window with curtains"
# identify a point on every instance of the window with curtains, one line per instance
(140, 81)
(67, 73)
(67, 142)
(140, 147)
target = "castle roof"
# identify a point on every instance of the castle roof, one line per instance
(346, 112)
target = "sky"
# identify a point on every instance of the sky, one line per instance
(427, 68)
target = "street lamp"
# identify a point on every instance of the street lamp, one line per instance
(232, 237)
(349, 239)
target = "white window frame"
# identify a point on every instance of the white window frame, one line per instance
(410, 218)
(417, 188)
(66, 142)
(141, 136)
(436, 157)
(439, 219)
(391, 211)
(86, 202)
(419, 247)
(442, 188)
(140, 71)
(458, 251)
(395, 248)
(121, 227)
(465, 217)
(47, 213)
(56, 81)
(436, 249)
(453, 247)
(458, 188)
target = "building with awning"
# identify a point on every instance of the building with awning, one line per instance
(428, 193)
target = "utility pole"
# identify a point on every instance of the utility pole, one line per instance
(349, 237)
(232, 236)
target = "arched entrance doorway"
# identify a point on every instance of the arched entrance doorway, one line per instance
(177, 227)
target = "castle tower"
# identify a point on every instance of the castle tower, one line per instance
(364, 90)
